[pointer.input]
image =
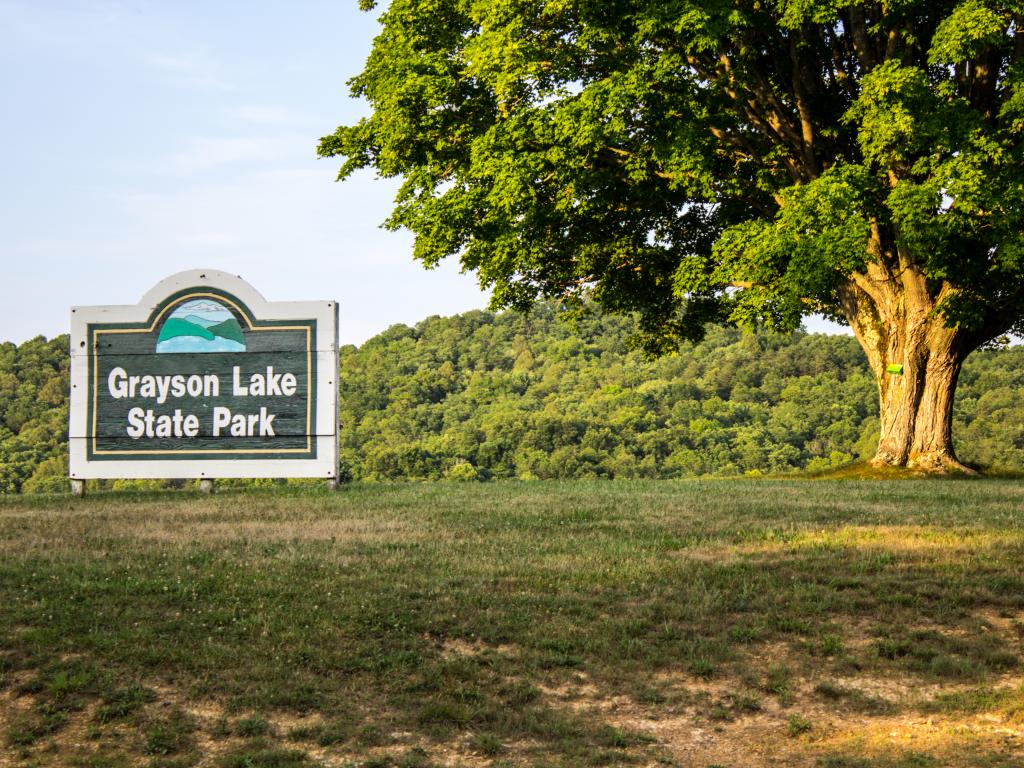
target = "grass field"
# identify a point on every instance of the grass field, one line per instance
(731, 623)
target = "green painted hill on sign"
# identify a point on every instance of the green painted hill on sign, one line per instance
(228, 329)
(176, 326)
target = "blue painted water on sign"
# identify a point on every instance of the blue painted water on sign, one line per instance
(198, 344)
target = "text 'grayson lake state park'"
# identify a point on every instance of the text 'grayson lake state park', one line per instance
(144, 422)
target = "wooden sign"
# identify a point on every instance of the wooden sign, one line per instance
(204, 379)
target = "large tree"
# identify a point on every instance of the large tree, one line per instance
(743, 160)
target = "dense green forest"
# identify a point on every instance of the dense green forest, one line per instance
(481, 396)
(34, 415)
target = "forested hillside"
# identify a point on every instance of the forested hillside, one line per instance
(34, 415)
(486, 396)
(480, 396)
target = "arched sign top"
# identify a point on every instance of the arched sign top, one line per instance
(204, 378)
(197, 278)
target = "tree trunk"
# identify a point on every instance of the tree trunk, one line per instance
(916, 360)
(916, 407)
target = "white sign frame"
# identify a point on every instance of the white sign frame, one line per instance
(325, 357)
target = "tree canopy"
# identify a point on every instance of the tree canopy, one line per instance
(664, 151)
(749, 160)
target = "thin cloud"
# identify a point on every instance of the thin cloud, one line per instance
(264, 115)
(201, 155)
(193, 69)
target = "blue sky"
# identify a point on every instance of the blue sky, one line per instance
(145, 138)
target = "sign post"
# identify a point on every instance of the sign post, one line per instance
(204, 379)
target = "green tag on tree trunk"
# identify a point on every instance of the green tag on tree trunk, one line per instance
(894, 368)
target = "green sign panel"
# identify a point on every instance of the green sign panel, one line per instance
(210, 382)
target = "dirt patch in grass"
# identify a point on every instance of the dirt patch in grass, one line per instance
(803, 729)
(1007, 622)
(456, 647)
(747, 721)
(699, 722)
(978, 740)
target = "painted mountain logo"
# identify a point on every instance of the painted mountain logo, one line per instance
(201, 325)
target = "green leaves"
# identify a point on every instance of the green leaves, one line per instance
(655, 154)
(819, 235)
(968, 30)
(897, 115)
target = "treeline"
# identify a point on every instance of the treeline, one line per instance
(500, 396)
(480, 396)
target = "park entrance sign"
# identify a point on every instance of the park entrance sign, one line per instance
(204, 379)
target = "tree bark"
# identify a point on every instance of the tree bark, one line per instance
(916, 407)
(896, 325)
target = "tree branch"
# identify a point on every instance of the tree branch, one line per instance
(1018, 37)
(857, 25)
(762, 109)
(803, 107)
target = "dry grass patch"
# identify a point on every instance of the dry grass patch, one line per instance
(916, 542)
(190, 523)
